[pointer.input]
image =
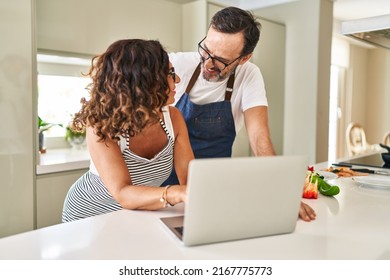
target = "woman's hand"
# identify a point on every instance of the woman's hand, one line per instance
(306, 213)
(176, 194)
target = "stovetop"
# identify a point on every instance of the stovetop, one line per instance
(370, 160)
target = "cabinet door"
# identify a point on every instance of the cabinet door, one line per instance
(17, 84)
(51, 192)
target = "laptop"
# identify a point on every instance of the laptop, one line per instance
(239, 198)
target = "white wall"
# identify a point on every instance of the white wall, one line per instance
(308, 44)
(90, 26)
(195, 24)
(378, 94)
(366, 89)
(358, 84)
(269, 55)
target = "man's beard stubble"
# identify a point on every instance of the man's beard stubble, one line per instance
(216, 78)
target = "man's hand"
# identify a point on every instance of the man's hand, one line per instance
(306, 213)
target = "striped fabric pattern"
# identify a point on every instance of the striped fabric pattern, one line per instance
(151, 172)
(88, 196)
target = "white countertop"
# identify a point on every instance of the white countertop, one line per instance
(58, 160)
(353, 225)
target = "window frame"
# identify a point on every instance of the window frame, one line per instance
(60, 63)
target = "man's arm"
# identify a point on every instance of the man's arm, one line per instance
(256, 122)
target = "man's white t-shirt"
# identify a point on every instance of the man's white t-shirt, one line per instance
(248, 89)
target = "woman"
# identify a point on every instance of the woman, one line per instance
(134, 138)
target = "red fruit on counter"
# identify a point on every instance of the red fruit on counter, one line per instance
(310, 189)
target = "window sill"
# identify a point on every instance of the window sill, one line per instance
(59, 160)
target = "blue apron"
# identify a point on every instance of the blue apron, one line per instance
(210, 126)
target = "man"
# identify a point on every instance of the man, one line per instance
(215, 107)
(222, 90)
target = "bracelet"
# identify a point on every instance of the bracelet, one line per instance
(163, 198)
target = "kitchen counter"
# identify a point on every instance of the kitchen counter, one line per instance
(353, 225)
(58, 160)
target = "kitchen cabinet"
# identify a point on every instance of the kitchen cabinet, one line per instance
(51, 191)
(17, 84)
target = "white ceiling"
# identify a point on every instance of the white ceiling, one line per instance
(342, 9)
(357, 9)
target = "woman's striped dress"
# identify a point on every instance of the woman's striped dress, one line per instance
(89, 197)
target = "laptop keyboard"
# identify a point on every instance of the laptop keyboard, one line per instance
(179, 230)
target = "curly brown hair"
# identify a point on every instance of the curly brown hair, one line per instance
(128, 90)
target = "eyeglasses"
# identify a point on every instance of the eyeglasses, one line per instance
(172, 73)
(216, 61)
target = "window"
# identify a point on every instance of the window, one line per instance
(61, 85)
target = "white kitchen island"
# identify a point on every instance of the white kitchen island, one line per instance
(354, 225)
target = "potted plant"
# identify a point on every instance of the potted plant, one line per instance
(75, 137)
(43, 126)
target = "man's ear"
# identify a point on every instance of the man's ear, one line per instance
(245, 58)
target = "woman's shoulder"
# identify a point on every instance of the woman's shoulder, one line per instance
(171, 109)
(174, 112)
(176, 119)
(173, 119)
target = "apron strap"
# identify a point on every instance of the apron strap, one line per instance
(229, 87)
(193, 79)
